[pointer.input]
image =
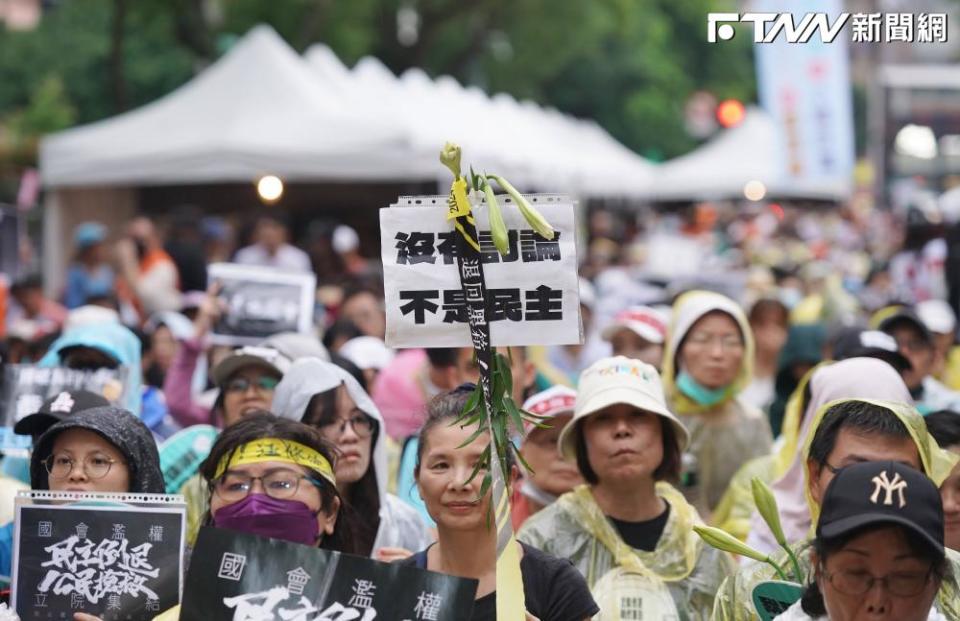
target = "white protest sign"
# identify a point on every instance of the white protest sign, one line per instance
(533, 295)
(260, 302)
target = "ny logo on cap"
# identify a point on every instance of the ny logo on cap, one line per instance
(63, 403)
(883, 482)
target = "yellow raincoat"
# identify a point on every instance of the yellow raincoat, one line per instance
(736, 507)
(724, 436)
(196, 493)
(574, 527)
(734, 600)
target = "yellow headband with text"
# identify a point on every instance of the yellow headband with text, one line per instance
(275, 449)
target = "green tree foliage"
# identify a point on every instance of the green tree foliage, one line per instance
(629, 64)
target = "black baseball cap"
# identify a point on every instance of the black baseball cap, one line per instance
(856, 342)
(882, 492)
(57, 408)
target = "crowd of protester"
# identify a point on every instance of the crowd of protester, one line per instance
(802, 350)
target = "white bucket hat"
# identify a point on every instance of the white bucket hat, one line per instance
(618, 380)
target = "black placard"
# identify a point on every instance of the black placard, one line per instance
(259, 302)
(115, 562)
(239, 576)
(27, 386)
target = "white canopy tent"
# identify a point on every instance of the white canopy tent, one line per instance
(257, 110)
(721, 168)
(262, 109)
(534, 147)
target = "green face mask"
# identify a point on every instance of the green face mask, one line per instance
(700, 394)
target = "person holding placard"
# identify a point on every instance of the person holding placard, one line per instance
(273, 477)
(101, 449)
(252, 372)
(628, 530)
(707, 362)
(447, 455)
(325, 396)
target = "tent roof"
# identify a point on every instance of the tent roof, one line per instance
(722, 167)
(534, 147)
(262, 109)
(257, 110)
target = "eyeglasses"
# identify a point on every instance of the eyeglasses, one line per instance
(264, 383)
(94, 466)
(906, 584)
(361, 424)
(727, 343)
(280, 484)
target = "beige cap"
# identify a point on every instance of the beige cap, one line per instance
(618, 380)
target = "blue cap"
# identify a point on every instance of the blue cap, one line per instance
(214, 228)
(88, 234)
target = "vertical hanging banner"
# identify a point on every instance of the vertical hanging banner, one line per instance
(806, 88)
(531, 294)
(114, 556)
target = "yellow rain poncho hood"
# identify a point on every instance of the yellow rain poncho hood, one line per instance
(937, 462)
(725, 431)
(734, 601)
(687, 310)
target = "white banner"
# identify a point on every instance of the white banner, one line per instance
(806, 89)
(532, 293)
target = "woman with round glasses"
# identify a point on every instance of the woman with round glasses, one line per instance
(103, 449)
(878, 552)
(325, 396)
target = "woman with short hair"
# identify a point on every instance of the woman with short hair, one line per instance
(628, 530)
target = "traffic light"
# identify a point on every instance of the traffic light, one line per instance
(730, 113)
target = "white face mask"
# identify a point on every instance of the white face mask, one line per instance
(790, 296)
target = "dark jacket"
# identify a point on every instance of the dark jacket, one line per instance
(804, 346)
(119, 427)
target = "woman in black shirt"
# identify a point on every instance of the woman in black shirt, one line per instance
(466, 544)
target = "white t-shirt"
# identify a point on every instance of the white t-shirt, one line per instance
(287, 257)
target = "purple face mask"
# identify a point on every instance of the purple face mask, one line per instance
(259, 514)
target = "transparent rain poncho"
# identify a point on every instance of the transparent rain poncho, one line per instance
(679, 577)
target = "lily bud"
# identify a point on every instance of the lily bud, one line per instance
(722, 540)
(532, 216)
(450, 157)
(767, 506)
(498, 229)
